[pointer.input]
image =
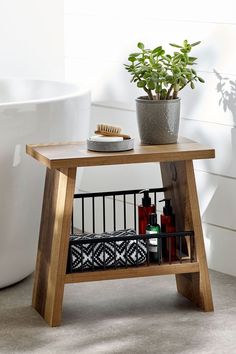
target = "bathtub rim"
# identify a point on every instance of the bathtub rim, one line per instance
(77, 92)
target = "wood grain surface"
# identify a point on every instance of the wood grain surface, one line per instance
(133, 272)
(53, 244)
(179, 178)
(76, 154)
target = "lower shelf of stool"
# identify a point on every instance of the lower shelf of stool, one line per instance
(133, 272)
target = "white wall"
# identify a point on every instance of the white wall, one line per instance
(32, 39)
(98, 37)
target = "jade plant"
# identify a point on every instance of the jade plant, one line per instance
(162, 76)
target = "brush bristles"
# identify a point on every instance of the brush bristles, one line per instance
(108, 128)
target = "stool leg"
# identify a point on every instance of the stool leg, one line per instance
(179, 178)
(53, 244)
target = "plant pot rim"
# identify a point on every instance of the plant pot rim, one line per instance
(145, 99)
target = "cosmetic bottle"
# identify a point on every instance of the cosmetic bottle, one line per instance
(168, 225)
(153, 243)
(166, 215)
(171, 241)
(144, 210)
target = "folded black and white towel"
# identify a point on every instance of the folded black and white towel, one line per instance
(88, 255)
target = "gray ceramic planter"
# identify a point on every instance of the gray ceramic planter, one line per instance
(158, 121)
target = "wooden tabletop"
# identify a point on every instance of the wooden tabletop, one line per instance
(75, 154)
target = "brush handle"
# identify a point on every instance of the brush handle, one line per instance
(103, 132)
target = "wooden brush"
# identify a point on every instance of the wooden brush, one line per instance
(110, 130)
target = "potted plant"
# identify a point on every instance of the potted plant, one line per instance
(162, 76)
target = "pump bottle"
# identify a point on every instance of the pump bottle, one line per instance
(153, 244)
(144, 210)
(166, 215)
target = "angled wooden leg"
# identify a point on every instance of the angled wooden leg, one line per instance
(53, 244)
(179, 178)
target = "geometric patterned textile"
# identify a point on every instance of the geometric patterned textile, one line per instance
(106, 254)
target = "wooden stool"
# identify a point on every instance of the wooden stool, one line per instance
(62, 161)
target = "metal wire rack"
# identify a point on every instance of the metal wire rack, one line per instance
(183, 240)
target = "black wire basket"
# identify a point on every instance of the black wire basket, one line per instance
(122, 247)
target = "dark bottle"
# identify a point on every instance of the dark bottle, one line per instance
(153, 243)
(144, 210)
(171, 241)
(166, 215)
(168, 225)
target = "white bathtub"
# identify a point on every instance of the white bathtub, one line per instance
(31, 111)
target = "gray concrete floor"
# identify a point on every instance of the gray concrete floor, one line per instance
(143, 315)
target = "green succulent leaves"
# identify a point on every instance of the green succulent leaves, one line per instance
(140, 45)
(162, 75)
